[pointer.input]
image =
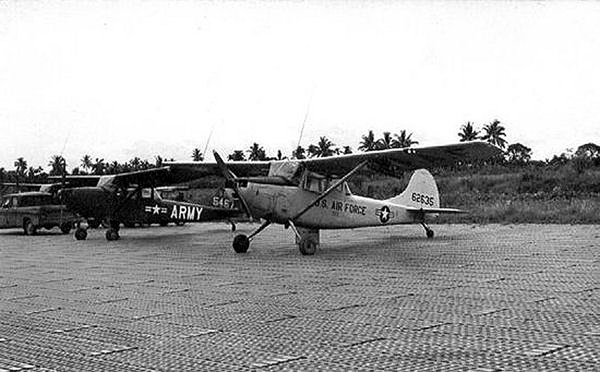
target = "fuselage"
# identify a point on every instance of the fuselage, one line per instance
(147, 207)
(339, 210)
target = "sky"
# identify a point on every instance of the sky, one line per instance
(119, 79)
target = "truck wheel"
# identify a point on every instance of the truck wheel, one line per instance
(29, 227)
(65, 227)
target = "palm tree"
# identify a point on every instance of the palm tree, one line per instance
(135, 163)
(385, 142)
(197, 155)
(347, 150)
(299, 153)
(86, 163)
(256, 152)
(20, 168)
(494, 134)
(368, 143)
(403, 140)
(468, 132)
(323, 148)
(98, 166)
(58, 165)
(237, 155)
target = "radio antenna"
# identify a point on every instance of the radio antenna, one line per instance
(305, 117)
(212, 128)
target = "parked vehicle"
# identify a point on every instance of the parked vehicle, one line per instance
(34, 210)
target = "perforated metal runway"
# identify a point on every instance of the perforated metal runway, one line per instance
(480, 298)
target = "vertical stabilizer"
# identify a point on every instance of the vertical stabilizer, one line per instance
(421, 192)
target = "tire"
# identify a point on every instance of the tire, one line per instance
(29, 228)
(430, 234)
(307, 247)
(65, 227)
(112, 234)
(80, 234)
(241, 243)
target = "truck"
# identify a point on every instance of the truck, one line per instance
(34, 210)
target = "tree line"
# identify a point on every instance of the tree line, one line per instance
(585, 156)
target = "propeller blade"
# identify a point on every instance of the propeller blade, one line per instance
(231, 179)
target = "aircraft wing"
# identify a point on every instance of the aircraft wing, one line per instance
(389, 161)
(144, 178)
(77, 180)
(410, 158)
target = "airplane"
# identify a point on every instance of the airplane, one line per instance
(131, 198)
(312, 194)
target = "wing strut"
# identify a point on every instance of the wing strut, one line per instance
(330, 189)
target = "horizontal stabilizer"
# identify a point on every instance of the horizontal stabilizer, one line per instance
(435, 210)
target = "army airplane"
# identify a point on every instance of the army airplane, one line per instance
(131, 198)
(308, 195)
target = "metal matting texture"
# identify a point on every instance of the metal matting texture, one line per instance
(475, 298)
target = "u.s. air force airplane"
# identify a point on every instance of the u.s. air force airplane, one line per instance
(131, 198)
(309, 195)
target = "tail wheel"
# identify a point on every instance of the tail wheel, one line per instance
(80, 233)
(29, 228)
(241, 243)
(430, 233)
(307, 247)
(112, 234)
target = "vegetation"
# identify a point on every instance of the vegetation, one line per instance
(563, 189)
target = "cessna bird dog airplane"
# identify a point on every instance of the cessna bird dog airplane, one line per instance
(131, 197)
(308, 195)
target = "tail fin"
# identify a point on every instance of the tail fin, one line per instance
(421, 192)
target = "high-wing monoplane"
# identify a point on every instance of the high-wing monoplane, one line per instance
(131, 198)
(312, 194)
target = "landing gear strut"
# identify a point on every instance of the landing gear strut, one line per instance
(428, 231)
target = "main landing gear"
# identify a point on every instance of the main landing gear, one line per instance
(306, 239)
(428, 231)
(112, 233)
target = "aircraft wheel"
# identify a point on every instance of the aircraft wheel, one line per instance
(241, 243)
(80, 233)
(29, 228)
(65, 228)
(112, 234)
(430, 234)
(307, 247)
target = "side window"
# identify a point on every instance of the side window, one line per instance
(6, 203)
(15, 202)
(146, 193)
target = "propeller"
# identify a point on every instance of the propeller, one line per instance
(231, 180)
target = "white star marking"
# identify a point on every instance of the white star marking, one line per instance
(155, 209)
(384, 214)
